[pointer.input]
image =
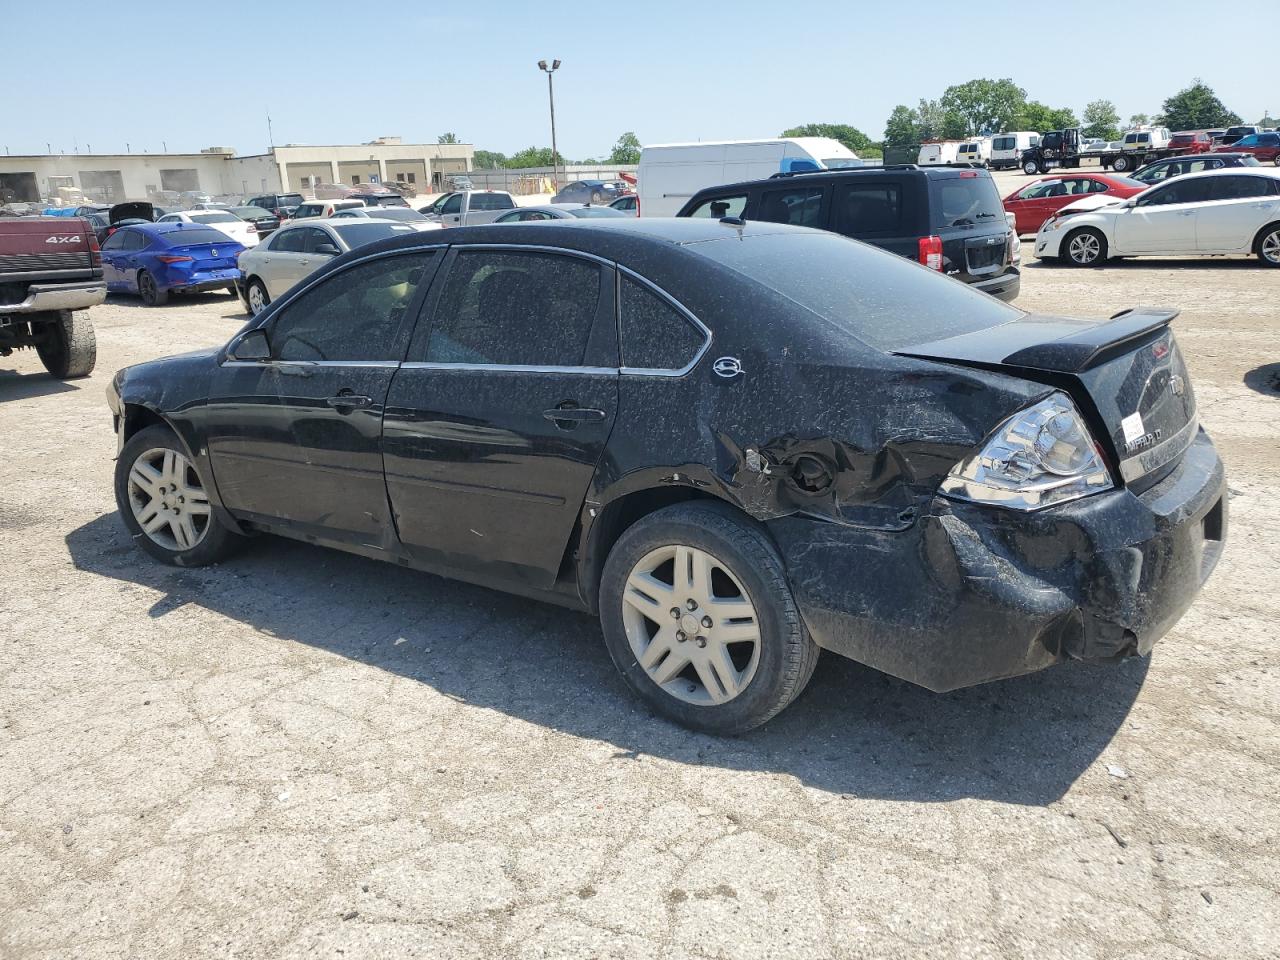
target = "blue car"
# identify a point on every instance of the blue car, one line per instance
(154, 260)
(588, 191)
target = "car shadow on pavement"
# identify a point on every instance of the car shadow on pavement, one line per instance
(855, 731)
(1264, 379)
(27, 386)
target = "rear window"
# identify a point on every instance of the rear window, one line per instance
(964, 200)
(190, 235)
(358, 234)
(289, 199)
(398, 213)
(491, 201)
(882, 299)
(596, 212)
(1003, 143)
(215, 217)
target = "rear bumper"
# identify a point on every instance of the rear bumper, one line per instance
(1004, 287)
(59, 296)
(205, 280)
(969, 593)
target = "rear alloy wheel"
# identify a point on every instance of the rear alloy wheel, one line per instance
(700, 620)
(164, 504)
(1269, 246)
(71, 349)
(597, 197)
(258, 298)
(150, 291)
(1085, 248)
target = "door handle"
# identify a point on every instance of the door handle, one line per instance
(1186, 213)
(568, 414)
(349, 401)
(305, 263)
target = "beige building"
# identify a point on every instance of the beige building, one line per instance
(218, 171)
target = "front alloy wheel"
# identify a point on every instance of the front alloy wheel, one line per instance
(258, 298)
(1084, 249)
(168, 500)
(691, 625)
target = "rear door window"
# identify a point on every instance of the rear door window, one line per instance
(1181, 190)
(491, 201)
(655, 335)
(730, 205)
(862, 209)
(1240, 188)
(800, 206)
(515, 309)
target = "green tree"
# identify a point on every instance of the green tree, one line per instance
(902, 129)
(626, 150)
(1196, 108)
(1268, 121)
(1140, 120)
(488, 160)
(1101, 120)
(851, 137)
(935, 123)
(1041, 118)
(983, 106)
(447, 138)
(533, 157)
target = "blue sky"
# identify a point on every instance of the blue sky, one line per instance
(193, 75)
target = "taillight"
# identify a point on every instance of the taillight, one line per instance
(170, 258)
(931, 252)
(95, 251)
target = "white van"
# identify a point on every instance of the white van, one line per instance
(671, 173)
(938, 151)
(975, 151)
(1150, 138)
(1006, 148)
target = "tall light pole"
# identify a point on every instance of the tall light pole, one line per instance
(551, 95)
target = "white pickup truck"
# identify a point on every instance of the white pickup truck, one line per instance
(467, 208)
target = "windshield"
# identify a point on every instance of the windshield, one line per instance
(966, 200)
(597, 212)
(883, 299)
(289, 199)
(252, 213)
(358, 234)
(396, 213)
(841, 163)
(214, 216)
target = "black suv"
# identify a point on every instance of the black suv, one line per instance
(949, 218)
(281, 204)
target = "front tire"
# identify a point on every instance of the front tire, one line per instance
(1120, 164)
(257, 297)
(1086, 247)
(1268, 245)
(164, 502)
(72, 349)
(738, 652)
(1030, 168)
(150, 291)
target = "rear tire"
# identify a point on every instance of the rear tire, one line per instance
(1085, 247)
(1267, 246)
(157, 485)
(1120, 164)
(725, 686)
(72, 350)
(150, 291)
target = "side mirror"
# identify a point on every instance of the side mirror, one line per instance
(252, 346)
(327, 249)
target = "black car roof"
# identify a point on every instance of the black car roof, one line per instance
(937, 172)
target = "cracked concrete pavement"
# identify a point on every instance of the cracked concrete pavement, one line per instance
(301, 753)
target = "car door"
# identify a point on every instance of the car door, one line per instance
(495, 423)
(283, 265)
(295, 439)
(112, 249)
(1239, 206)
(879, 210)
(1163, 220)
(451, 212)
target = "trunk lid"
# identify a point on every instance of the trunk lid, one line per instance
(1126, 374)
(209, 256)
(133, 209)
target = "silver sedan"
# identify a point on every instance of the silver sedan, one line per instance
(295, 250)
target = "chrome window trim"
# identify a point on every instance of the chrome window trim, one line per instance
(507, 368)
(535, 248)
(680, 308)
(362, 364)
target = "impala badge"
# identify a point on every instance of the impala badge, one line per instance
(727, 367)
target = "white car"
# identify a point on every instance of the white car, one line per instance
(419, 221)
(324, 208)
(1232, 210)
(224, 221)
(301, 247)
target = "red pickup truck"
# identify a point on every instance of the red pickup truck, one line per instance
(50, 274)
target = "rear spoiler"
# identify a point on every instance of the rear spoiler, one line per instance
(1058, 344)
(1085, 348)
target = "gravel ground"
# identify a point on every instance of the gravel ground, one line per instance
(303, 753)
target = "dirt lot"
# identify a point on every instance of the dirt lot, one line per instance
(302, 753)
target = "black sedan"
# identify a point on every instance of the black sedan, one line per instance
(737, 443)
(1171, 167)
(587, 191)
